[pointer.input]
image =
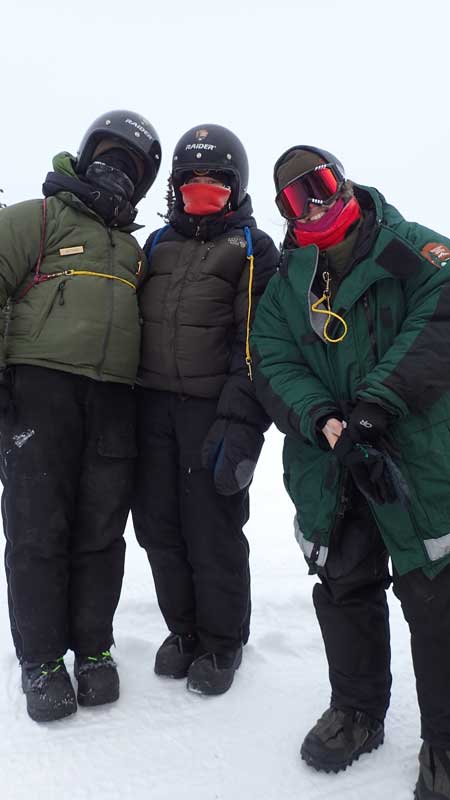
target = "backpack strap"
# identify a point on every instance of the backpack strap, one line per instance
(155, 241)
(37, 269)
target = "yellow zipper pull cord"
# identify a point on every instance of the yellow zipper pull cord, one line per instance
(330, 314)
(248, 357)
(99, 275)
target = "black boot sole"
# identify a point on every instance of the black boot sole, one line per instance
(46, 716)
(165, 670)
(53, 713)
(176, 675)
(165, 666)
(97, 698)
(207, 687)
(63, 706)
(373, 743)
(100, 695)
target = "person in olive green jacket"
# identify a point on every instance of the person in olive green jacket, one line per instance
(69, 272)
(350, 345)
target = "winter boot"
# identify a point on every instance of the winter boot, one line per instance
(339, 737)
(213, 673)
(98, 679)
(434, 774)
(48, 690)
(176, 655)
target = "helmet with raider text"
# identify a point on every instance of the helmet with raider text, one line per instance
(128, 128)
(211, 148)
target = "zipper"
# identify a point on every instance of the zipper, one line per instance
(370, 326)
(175, 322)
(343, 496)
(111, 302)
(343, 500)
(61, 288)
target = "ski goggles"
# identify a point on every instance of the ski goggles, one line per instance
(319, 185)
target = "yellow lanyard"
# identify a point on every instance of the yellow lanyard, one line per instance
(248, 357)
(330, 314)
(99, 275)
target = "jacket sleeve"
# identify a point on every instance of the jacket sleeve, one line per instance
(20, 236)
(238, 399)
(415, 371)
(292, 396)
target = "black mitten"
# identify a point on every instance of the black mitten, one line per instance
(231, 449)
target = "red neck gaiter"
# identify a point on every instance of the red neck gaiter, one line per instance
(204, 198)
(329, 229)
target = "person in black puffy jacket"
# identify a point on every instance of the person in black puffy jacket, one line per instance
(200, 427)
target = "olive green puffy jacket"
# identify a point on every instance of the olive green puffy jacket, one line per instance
(396, 302)
(70, 320)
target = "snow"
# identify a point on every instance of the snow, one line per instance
(367, 82)
(161, 742)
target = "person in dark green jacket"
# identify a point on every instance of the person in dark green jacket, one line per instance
(69, 272)
(350, 345)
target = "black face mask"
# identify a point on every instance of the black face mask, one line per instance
(114, 175)
(115, 172)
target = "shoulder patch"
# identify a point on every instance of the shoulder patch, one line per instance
(400, 260)
(436, 252)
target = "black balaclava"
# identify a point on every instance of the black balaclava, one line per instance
(114, 174)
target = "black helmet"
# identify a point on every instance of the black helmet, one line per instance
(131, 129)
(327, 157)
(211, 148)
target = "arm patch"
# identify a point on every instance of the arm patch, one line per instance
(437, 253)
(399, 260)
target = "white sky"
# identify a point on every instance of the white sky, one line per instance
(368, 81)
(365, 79)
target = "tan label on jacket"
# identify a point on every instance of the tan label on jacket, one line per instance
(71, 251)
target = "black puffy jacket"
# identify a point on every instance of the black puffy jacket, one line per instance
(195, 307)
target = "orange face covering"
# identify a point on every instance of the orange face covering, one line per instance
(204, 198)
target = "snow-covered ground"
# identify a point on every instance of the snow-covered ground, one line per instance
(160, 742)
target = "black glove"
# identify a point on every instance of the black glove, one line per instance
(231, 450)
(367, 422)
(6, 397)
(374, 472)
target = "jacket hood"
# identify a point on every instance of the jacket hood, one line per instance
(64, 164)
(65, 182)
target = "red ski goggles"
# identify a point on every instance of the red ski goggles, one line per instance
(318, 185)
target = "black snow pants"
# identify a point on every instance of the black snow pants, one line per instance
(351, 607)
(192, 535)
(67, 463)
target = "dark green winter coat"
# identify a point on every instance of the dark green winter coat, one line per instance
(396, 302)
(80, 323)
